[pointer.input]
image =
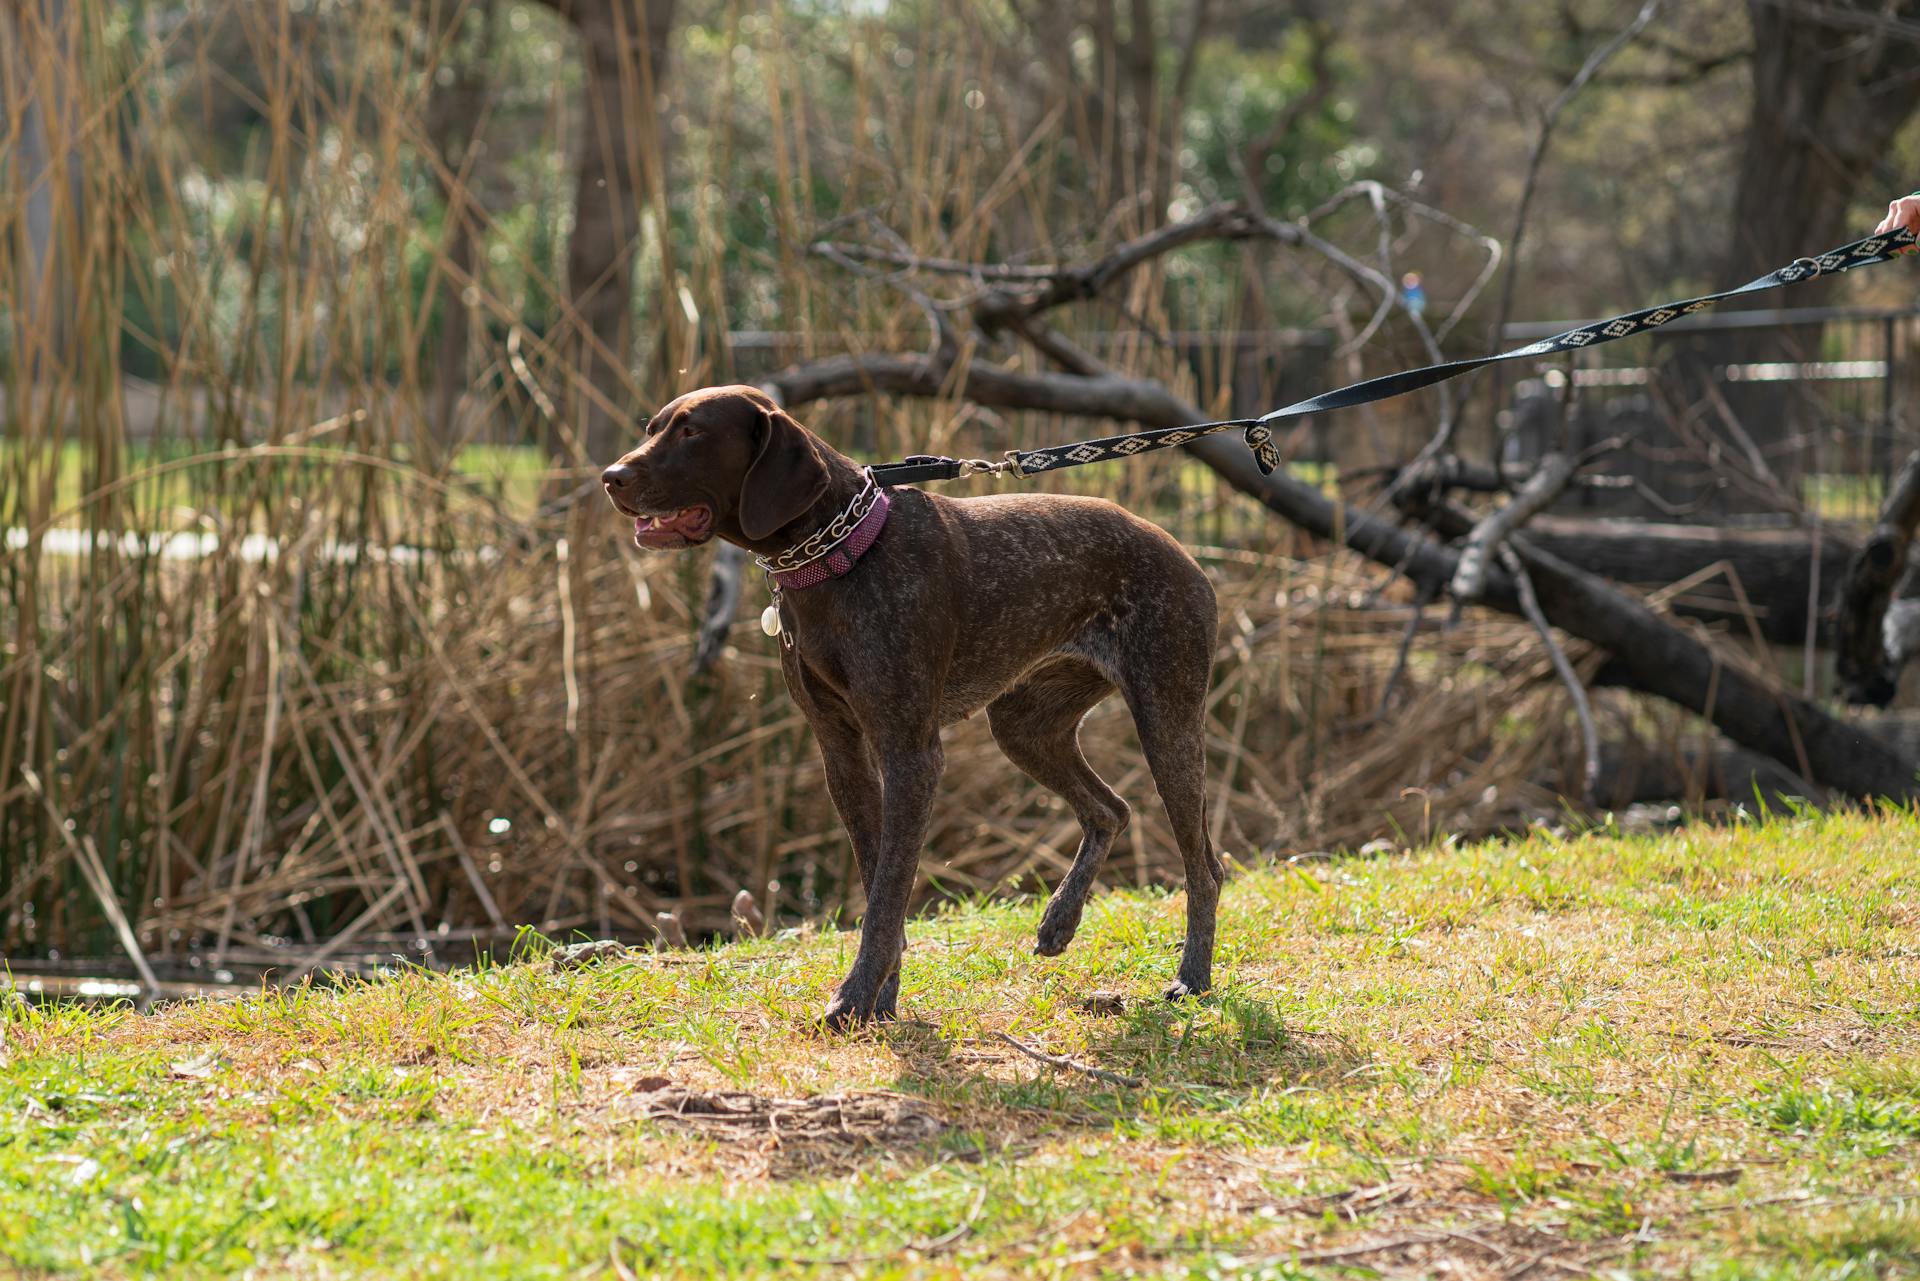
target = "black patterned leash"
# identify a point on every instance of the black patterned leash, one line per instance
(1865, 252)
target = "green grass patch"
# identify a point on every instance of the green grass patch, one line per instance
(178, 477)
(1694, 1052)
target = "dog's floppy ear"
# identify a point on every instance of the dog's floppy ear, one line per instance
(787, 476)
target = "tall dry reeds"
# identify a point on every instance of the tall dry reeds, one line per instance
(287, 675)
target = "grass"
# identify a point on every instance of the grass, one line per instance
(512, 475)
(1695, 1052)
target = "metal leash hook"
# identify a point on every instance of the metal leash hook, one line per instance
(1008, 466)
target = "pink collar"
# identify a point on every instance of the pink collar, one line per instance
(840, 555)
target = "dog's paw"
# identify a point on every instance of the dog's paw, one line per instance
(1057, 929)
(843, 1014)
(1181, 989)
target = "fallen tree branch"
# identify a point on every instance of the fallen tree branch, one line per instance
(1443, 473)
(1018, 295)
(1860, 651)
(1772, 563)
(1658, 657)
(1634, 772)
(1490, 535)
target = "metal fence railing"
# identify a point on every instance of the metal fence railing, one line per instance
(1737, 415)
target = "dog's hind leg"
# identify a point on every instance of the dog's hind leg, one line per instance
(1037, 725)
(1164, 681)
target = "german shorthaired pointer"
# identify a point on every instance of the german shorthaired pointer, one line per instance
(901, 611)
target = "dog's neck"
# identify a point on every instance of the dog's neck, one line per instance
(845, 480)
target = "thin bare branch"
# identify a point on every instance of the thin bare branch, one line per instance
(1547, 483)
(1072, 1065)
(1576, 689)
(1538, 154)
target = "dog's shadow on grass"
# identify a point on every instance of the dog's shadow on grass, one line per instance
(1198, 1064)
(1195, 1071)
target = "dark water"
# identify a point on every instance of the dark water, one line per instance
(109, 979)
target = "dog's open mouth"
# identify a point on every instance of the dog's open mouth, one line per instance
(687, 527)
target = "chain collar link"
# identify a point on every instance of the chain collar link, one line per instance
(823, 540)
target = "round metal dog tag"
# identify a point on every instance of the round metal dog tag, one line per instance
(770, 620)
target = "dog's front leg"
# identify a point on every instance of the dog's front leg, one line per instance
(910, 776)
(853, 781)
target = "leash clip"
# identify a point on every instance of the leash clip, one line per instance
(1010, 465)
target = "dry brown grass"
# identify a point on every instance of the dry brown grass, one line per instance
(428, 717)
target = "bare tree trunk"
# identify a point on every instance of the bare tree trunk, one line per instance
(454, 111)
(1827, 100)
(1830, 92)
(38, 101)
(1774, 568)
(624, 46)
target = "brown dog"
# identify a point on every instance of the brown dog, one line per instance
(1032, 607)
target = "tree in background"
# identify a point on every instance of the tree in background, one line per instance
(464, 39)
(619, 170)
(40, 104)
(1833, 84)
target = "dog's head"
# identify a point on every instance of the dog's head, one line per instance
(724, 460)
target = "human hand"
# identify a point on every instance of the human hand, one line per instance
(1904, 212)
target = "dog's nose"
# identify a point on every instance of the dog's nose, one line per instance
(617, 477)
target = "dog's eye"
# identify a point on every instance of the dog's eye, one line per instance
(652, 427)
